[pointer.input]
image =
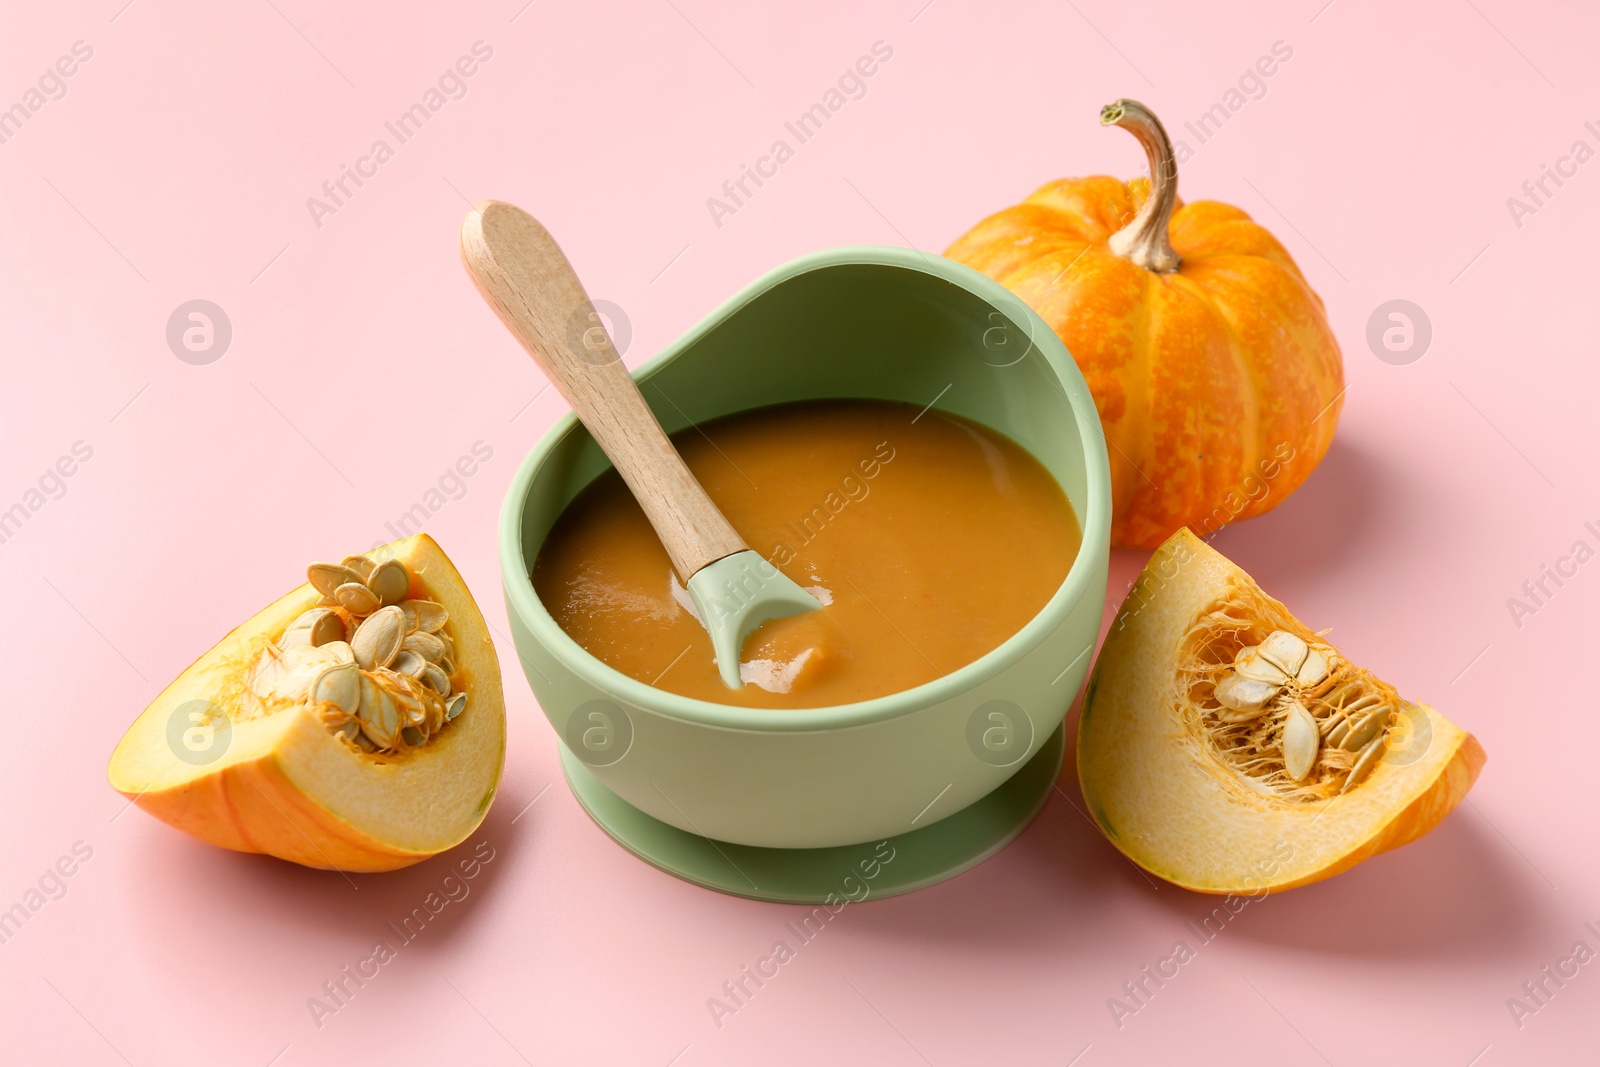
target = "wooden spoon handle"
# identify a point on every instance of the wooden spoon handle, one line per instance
(522, 273)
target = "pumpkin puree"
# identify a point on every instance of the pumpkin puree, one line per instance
(929, 539)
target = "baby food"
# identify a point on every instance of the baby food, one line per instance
(929, 538)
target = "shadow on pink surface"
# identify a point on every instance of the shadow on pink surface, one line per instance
(1311, 536)
(1458, 894)
(1323, 526)
(429, 904)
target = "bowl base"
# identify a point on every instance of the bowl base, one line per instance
(920, 858)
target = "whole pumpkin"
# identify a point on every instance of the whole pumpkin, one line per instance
(1216, 376)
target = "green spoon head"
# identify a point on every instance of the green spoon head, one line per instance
(736, 594)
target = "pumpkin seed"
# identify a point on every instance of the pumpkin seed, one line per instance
(412, 736)
(410, 703)
(1243, 698)
(356, 598)
(424, 615)
(377, 641)
(1249, 663)
(287, 674)
(390, 581)
(340, 686)
(1300, 742)
(1364, 763)
(299, 656)
(409, 663)
(429, 646)
(1362, 731)
(265, 673)
(328, 629)
(436, 679)
(360, 564)
(315, 627)
(325, 578)
(436, 717)
(292, 638)
(455, 706)
(1314, 669)
(1284, 650)
(380, 719)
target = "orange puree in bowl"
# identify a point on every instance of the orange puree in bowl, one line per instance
(929, 539)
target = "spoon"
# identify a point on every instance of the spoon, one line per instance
(522, 273)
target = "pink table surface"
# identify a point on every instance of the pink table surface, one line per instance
(175, 164)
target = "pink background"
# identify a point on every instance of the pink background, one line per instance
(177, 167)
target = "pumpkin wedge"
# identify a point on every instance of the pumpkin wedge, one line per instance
(1227, 748)
(358, 732)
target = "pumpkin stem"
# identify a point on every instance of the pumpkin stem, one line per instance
(1144, 240)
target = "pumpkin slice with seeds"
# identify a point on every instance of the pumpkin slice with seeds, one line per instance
(355, 724)
(1227, 748)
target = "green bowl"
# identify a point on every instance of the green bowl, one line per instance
(851, 322)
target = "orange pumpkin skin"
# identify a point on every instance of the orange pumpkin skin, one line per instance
(1219, 384)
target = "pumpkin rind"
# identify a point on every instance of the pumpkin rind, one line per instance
(1205, 378)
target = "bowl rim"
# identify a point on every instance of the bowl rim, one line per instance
(523, 601)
